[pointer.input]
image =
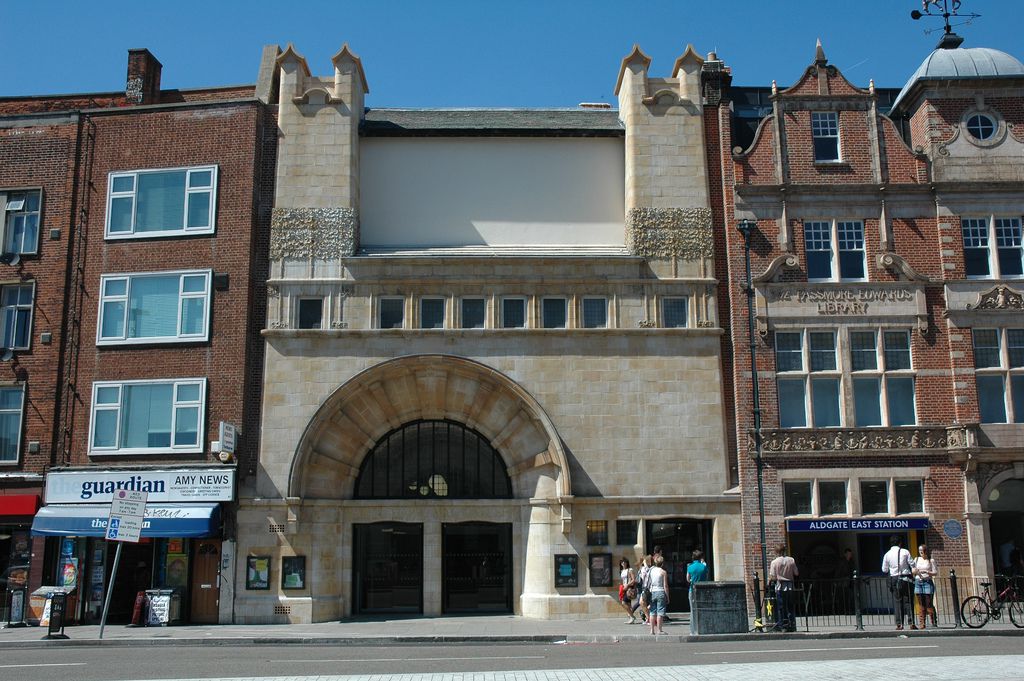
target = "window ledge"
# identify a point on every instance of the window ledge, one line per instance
(833, 164)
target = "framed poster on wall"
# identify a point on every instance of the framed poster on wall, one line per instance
(567, 570)
(257, 573)
(600, 569)
(293, 572)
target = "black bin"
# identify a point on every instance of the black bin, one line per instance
(720, 608)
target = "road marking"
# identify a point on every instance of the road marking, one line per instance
(48, 664)
(809, 650)
(422, 659)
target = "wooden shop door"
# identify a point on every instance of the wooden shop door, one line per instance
(206, 582)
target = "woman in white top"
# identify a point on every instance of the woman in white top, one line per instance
(924, 571)
(627, 589)
(657, 580)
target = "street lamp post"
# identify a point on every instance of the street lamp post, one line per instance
(746, 228)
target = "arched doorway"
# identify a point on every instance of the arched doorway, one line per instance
(432, 461)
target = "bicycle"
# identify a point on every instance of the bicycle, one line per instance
(976, 611)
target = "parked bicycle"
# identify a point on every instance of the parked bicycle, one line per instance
(978, 610)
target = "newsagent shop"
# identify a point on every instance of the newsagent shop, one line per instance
(178, 555)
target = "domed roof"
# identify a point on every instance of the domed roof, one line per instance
(969, 62)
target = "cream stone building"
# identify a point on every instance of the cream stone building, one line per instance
(493, 356)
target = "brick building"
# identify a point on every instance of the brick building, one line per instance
(885, 252)
(146, 326)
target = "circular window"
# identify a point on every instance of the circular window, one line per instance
(981, 127)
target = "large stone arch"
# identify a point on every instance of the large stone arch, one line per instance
(370, 404)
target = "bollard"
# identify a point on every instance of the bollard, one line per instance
(856, 601)
(954, 593)
(758, 604)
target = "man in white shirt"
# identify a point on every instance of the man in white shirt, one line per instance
(896, 565)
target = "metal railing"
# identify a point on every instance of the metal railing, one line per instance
(861, 602)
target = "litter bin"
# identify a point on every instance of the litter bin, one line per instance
(163, 607)
(720, 608)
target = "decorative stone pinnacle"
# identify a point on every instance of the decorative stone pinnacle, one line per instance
(819, 54)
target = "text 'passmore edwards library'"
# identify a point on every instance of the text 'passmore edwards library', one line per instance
(439, 361)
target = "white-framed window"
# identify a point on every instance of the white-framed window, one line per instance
(999, 374)
(432, 313)
(391, 313)
(882, 377)
(891, 496)
(595, 313)
(163, 202)
(148, 417)
(554, 313)
(825, 133)
(675, 312)
(807, 379)
(12, 402)
(815, 497)
(993, 247)
(20, 220)
(154, 307)
(835, 250)
(513, 313)
(16, 315)
(473, 313)
(310, 313)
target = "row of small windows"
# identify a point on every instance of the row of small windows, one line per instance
(830, 497)
(472, 313)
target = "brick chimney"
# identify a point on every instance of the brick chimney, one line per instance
(143, 84)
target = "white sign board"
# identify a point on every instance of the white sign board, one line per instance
(228, 437)
(127, 511)
(179, 485)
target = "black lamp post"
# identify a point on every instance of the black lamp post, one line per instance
(746, 228)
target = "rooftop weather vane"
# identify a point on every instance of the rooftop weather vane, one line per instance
(947, 9)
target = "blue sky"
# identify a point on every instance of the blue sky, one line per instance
(451, 53)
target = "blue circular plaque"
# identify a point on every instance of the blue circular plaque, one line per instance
(953, 529)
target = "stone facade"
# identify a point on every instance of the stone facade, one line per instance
(623, 422)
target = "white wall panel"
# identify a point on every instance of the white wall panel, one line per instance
(422, 192)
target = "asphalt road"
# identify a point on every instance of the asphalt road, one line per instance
(141, 662)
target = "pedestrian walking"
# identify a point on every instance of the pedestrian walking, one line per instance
(627, 590)
(896, 565)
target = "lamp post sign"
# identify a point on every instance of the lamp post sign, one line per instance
(127, 514)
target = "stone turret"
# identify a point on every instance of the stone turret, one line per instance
(316, 214)
(668, 213)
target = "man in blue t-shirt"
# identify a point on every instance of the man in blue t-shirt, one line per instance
(697, 571)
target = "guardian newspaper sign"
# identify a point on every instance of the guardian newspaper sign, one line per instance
(99, 487)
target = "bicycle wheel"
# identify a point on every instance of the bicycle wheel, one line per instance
(975, 611)
(1016, 613)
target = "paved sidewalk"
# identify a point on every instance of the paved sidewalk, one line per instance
(430, 630)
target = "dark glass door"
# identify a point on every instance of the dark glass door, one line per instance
(678, 538)
(477, 567)
(388, 568)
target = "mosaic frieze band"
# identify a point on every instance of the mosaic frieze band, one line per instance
(846, 440)
(322, 233)
(669, 232)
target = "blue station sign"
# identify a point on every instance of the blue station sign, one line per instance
(857, 524)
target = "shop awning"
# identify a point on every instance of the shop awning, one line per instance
(19, 504)
(162, 520)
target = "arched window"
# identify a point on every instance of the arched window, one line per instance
(433, 460)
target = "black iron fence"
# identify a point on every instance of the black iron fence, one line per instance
(860, 602)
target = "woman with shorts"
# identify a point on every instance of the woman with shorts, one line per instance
(657, 579)
(924, 571)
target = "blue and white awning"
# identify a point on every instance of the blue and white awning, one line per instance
(162, 520)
